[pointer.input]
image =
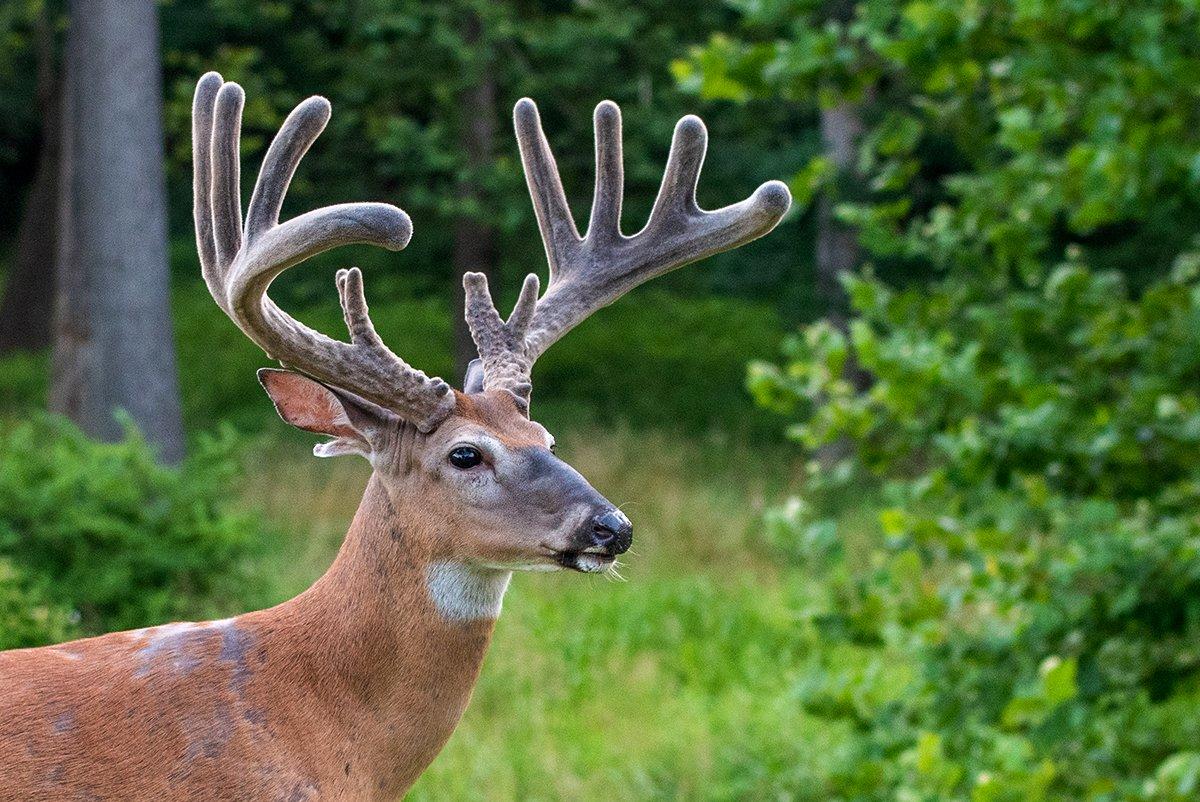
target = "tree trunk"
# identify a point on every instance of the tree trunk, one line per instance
(113, 344)
(837, 244)
(474, 238)
(27, 307)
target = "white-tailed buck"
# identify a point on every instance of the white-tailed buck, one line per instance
(349, 690)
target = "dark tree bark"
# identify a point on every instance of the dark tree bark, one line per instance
(113, 343)
(27, 307)
(474, 239)
(837, 245)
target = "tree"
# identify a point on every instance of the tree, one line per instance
(838, 253)
(113, 344)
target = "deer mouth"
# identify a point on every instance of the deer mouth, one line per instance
(588, 561)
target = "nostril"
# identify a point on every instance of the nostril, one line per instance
(602, 535)
(613, 530)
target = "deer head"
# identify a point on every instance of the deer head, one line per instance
(473, 457)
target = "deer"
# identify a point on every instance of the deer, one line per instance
(350, 689)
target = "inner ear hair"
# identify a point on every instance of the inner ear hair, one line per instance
(317, 407)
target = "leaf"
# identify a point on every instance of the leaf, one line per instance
(1058, 680)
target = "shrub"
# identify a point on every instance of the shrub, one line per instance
(120, 541)
(23, 381)
(1025, 467)
(26, 617)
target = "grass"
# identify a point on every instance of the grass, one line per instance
(679, 683)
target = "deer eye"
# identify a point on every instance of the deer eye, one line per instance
(465, 457)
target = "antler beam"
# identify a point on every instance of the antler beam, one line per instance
(240, 262)
(590, 272)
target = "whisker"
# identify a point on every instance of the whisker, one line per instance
(612, 574)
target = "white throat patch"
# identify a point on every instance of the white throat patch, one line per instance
(466, 593)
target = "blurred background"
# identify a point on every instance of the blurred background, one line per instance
(915, 476)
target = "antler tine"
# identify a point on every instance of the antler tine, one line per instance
(354, 308)
(239, 265)
(677, 192)
(226, 165)
(604, 227)
(297, 134)
(203, 105)
(591, 272)
(559, 234)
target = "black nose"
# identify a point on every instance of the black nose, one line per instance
(613, 531)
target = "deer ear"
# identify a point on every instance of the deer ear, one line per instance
(313, 407)
(473, 381)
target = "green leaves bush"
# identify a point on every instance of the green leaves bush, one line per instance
(26, 617)
(1015, 512)
(98, 537)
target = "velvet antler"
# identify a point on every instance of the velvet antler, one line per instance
(239, 263)
(590, 272)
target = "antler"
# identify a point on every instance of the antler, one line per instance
(239, 263)
(590, 272)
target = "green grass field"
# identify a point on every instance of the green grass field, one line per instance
(678, 683)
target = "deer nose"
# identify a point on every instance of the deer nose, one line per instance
(613, 531)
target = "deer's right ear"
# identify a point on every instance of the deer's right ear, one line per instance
(309, 405)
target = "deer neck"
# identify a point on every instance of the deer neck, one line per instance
(392, 636)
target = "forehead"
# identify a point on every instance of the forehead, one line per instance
(497, 412)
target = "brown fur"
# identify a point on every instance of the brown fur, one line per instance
(500, 412)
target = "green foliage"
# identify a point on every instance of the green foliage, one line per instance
(1010, 511)
(27, 618)
(1000, 133)
(23, 381)
(1025, 527)
(19, 122)
(105, 532)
